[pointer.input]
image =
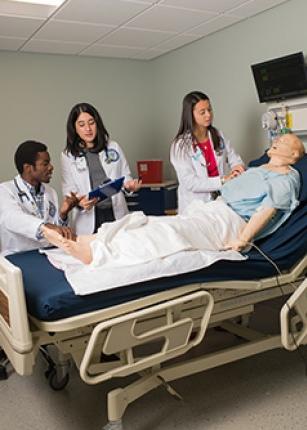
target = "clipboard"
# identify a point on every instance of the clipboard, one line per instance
(107, 190)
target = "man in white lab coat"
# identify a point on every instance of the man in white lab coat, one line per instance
(27, 202)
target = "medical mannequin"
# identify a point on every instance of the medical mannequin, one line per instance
(265, 212)
(285, 151)
(27, 202)
(89, 159)
(200, 154)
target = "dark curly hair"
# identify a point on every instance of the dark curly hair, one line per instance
(27, 153)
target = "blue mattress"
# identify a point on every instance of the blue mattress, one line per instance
(50, 297)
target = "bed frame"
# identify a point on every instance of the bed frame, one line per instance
(144, 335)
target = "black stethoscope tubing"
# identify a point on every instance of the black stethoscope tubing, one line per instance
(21, 194)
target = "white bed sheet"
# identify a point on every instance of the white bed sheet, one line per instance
(87, 279)
(122, 257)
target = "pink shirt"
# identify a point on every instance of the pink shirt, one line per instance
(208, 153)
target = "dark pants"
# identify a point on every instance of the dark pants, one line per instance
(103, 215)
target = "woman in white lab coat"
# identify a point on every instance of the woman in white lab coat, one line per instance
(89, 159)
(203, 159)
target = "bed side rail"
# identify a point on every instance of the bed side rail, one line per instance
(293, 319)
(14, 325)
(123, 336)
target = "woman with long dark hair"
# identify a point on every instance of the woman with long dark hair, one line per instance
(89, 159)
(202, 157)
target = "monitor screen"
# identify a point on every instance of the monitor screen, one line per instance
(281, 78)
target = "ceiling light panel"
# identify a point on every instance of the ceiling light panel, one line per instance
(141, 29)
(26, 9)
(55, 3)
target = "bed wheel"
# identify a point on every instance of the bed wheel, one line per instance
(2, 355)
(3, 363)
(114, 425)
(55, 383)
(3, 373)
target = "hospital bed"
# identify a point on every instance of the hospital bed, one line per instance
(148, 329)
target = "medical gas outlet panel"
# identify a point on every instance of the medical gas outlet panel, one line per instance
(288, 114)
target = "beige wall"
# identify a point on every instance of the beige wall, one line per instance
(219, 65)
(140, 101)
(38, 91)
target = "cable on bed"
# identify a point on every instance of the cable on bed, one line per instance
(279, 273)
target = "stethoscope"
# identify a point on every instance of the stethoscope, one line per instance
(23, 195)
(111, 156)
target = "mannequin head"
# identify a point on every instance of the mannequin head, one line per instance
(286, 149)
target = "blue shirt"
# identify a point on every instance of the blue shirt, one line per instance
(260, 188)
(38, 196)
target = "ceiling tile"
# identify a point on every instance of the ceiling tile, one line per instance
(53, 47)
(72, 31)
(139, 38)
(111, 51)
(111, 12)
(218, 6)
(149, 54)
(142, 29)
(214, 25)
(18, 27)
(255, 6)
(166, 18)
(177, 42)
(25, 9)
(11, 43)
(148, 2)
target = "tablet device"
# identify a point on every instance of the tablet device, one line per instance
(107, 189)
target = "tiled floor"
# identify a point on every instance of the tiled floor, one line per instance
(264, 392)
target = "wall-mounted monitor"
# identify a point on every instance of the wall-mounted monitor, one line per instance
(281, 78)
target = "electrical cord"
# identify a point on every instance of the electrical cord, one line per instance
(279, 273)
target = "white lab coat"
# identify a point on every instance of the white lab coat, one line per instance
(75, 177)
(20, 218)
(190, 167)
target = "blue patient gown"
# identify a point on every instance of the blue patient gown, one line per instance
(260, 188)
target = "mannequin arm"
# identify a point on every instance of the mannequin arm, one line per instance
(256, 223)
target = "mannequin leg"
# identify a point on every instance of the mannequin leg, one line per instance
(80, 249)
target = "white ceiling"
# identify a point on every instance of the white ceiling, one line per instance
(138, 29)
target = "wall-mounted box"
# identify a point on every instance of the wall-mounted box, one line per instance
(150, 171)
